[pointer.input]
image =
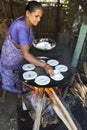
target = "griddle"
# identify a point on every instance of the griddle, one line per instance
(40, 71)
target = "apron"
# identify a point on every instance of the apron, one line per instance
(11, 59)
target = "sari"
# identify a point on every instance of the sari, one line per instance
(11, 59)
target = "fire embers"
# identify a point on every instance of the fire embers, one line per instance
(48, 116)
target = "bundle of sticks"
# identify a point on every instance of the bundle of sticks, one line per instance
(78, 88)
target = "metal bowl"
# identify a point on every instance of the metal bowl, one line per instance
(44, 44)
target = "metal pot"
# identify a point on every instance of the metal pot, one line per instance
(44, 44)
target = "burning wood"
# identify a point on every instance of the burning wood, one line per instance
(40, 109)
(48, 94)
(36, 125)
(61, 110)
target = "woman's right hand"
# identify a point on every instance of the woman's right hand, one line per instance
(49, 70)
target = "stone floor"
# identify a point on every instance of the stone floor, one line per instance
(8, 113)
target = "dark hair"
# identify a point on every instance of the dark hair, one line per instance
(32, 5)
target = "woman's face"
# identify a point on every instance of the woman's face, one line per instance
(34, 17)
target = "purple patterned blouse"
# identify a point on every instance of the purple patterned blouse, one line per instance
(19, 32)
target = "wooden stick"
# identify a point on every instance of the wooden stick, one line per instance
(36, 125)
(61, 110)
(27, 85)
(85, 68)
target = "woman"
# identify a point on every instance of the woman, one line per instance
(16, 47)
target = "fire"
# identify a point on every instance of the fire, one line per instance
(46, 90)
(36, 89)
(56, 104)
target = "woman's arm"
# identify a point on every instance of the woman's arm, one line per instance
(30, 58)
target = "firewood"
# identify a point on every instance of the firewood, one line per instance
(85, 68)
(80, 90)
(85, 88)
(29, 86)
(62, 117)
(79, 78)
(82, 84)
(61, 110)
(29, 107)
(36, 125)
(75, 93)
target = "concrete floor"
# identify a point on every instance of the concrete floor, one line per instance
(8, 113)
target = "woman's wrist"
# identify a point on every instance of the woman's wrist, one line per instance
(46, 67)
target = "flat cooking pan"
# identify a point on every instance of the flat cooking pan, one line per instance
(52, 83)
(40, 71)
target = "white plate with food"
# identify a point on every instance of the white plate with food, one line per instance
(52, 62)
(42, 57)
(42, 80)
(44, 44)
(57, 76)
(43, 60)
(29, 75)
(28, 67)
(61, 68)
